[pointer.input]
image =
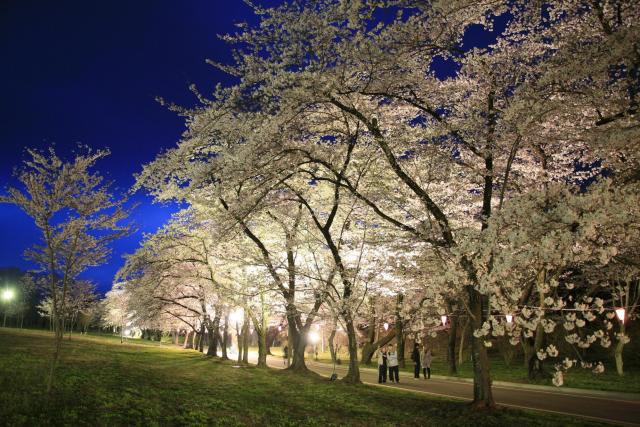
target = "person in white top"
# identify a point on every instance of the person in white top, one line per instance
(382, 364)
(425, 361)
(392, 359)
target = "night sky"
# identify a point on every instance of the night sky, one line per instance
(89, 71)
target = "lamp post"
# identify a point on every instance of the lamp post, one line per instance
(7, 296)
(314, 337)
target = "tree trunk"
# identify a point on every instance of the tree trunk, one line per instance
(225, 337)
(353, 374)
(400, 331)
(212, 344)
(188, 339)
(370, 349)
(482, 394)
(239, 341)
(202, 338)
(451, 346)
(174, 337)
(297, 342)
(332, 349)
(262, 346)
(213, 336)
(271, 335)
(618, 351)
(461, 346)
(245, 338)
(535, 366)
(262, 330)
(59, 335)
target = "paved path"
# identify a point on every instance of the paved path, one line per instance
(623, 410)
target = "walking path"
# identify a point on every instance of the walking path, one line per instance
(596, 406)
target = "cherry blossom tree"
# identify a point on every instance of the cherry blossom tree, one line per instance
(78, 218)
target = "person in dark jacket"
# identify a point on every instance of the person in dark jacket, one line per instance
(415, 357)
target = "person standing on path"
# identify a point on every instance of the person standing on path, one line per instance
(392, 357)
(415, 357)
(426, 358)
(382, 365)
(285, 355)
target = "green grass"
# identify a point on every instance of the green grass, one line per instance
(102, 382)
(575, 378)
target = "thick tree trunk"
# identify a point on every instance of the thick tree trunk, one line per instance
(482, 394)
(297, 342)
(262, 345)
(212, 344)
(353, 374)
(213, 336)
(297, 346)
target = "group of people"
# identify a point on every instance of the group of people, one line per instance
(388, 361)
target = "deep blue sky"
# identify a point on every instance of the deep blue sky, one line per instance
(88, 72)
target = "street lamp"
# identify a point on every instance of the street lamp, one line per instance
(443, 318)
(386, 326)
(314, 337)
(620, 312)
(7, 296)
(509, 318)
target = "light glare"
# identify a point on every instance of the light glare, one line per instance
(7, 294)
(313, 337)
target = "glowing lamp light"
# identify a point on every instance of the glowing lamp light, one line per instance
(279, 328)
(7, 294)
(620, 312)
(236, 316)
(509, 318)
(386, 326)
(444, 320)
(314, 337)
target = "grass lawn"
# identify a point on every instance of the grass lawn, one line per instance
(102, 382)
(577, 377)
